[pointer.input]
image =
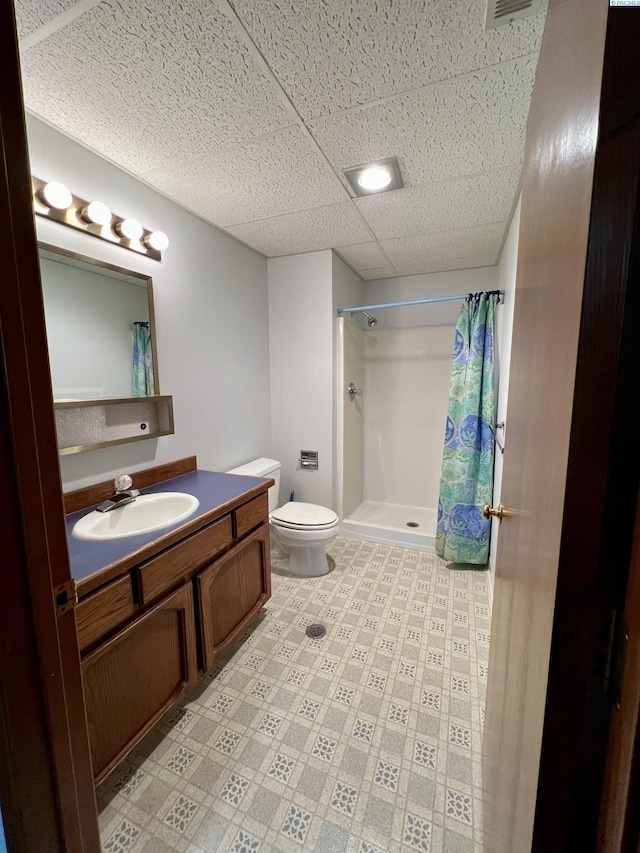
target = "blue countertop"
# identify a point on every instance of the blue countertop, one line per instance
(213, 490)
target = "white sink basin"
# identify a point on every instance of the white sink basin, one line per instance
(146, 513)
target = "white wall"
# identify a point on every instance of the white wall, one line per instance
(347, 286)
(347, 292)
(301, 356)
(211, 310)
(304, 293)
(507, 282)
(405, 288)
(349, 416)
(406, 390)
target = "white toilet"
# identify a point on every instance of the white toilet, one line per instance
(301, 531)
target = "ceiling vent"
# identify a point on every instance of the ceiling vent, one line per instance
(502, 12)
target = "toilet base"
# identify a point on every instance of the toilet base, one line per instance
(308, 562)
(305, 549)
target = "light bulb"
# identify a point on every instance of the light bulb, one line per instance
(129, 228)
(56, 195)
(157, 240)
(375, 178)
(97, 212)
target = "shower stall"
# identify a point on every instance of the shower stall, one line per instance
(392, 381)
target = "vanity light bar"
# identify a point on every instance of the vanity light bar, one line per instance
(54, 201)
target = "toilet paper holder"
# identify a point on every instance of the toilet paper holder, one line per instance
(309, 460)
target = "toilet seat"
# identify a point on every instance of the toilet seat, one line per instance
(296, 515)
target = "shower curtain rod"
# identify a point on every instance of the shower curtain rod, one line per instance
(412, 302)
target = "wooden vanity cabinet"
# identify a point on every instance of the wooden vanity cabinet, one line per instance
(231, 591)
(139, 635)
(134, 678)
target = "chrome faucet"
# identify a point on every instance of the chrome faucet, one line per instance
(122, 494)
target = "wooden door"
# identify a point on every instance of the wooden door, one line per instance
(556, 205)
(619, 828)
(133, 679)
(563, 557)
(231, 591)
(46, 786)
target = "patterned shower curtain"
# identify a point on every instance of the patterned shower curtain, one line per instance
(142, 360)
(466, 483)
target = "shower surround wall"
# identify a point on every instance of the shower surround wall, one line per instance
(394, 433)
(406, 376)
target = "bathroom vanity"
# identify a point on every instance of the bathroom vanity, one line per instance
(155, 611)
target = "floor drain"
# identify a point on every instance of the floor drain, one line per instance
(316, 631)
(412, 524)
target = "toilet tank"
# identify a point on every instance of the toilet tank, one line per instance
(263, 468)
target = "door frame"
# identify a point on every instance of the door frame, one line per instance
(603, 476)
(46, 785)
(619, 823)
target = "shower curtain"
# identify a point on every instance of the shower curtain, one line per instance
(466, 484)
(143, 385)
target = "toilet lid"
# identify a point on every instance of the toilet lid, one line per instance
(298, 514)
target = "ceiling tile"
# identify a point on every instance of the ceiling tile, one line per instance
(144, 84)
(177, 94)
(379, 272)
(363, 256)
(464, 263)
(331, 56)
(249, 182)
(458, 127)
(456, 203)
(307, 231)
(33, 14)
(445, 245)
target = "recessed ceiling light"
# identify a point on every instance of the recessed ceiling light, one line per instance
(56, 195)
(97, 213)
(375, 178)
(157, 240)
(378, 177)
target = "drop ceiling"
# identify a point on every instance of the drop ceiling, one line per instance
(246, 112)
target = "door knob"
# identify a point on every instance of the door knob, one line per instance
(488, 511)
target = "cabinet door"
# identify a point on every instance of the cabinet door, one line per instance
(134, 678)
(232, 590)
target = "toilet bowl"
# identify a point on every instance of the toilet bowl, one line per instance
(300, 531)
(303, 531)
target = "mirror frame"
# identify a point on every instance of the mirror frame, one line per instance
(147, 279)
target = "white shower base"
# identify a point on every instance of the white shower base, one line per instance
(387, 524)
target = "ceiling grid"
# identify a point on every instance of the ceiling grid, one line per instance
(246, 112)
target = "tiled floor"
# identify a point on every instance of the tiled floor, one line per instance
(367, 740)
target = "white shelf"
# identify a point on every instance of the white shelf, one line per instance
(90, 424)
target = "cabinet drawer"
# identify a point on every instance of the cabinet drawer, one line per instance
(103, 611)
(183, 560)
(251, 514)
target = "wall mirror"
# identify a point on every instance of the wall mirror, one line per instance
(100, 328)
(102, 354)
